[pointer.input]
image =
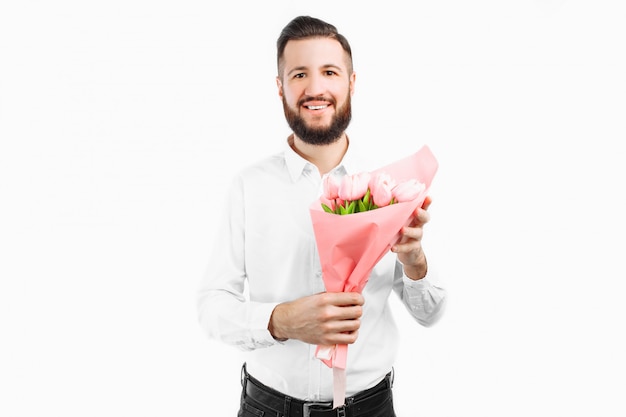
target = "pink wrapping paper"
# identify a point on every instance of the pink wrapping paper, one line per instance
(351, 245)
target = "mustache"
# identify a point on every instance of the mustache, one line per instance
(307, 99)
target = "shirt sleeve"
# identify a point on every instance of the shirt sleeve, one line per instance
(225, 312)
(425, 299)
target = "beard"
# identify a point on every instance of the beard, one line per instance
(319, 135)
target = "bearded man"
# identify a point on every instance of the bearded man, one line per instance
(263, 290)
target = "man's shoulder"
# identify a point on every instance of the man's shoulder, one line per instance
(267, 165)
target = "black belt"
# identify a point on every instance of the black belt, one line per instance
(358, 405)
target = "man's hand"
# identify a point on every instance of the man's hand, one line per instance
(409, 248)
(319, 319)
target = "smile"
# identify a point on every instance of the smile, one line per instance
(317, 107)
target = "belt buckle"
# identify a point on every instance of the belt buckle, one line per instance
(306, 407)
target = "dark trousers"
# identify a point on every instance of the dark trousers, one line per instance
(258, 400)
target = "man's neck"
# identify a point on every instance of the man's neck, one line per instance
(324, 157)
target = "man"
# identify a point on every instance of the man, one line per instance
(264, 292)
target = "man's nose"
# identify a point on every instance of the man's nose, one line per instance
(316, 86)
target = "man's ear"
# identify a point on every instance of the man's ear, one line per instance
(352, 82)
(279, 84)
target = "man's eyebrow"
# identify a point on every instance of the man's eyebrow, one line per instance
(333, 66)
(325, 67)
(296, 69)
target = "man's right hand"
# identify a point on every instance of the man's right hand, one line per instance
(319, 319)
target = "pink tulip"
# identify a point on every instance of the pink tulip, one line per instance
(407, 190)
(331, 187)
(354, 187)
(331, 204)
(380, 186)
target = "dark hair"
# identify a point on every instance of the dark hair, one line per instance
(305, 27)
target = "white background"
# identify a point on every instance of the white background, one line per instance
(122, 121)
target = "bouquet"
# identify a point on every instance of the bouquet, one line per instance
(364, 192)
(356, 222)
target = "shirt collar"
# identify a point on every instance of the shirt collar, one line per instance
(348, 163)
(297, 165)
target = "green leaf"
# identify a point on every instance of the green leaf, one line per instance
(327, 209)
(366, 197)
(351, 207)
(362, 206)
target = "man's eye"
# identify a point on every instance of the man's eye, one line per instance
(301, 75)
(329, 72)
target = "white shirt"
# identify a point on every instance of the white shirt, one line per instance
(265, 253)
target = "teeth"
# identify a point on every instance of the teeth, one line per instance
(317, 107)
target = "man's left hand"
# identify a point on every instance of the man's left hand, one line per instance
(409, 248)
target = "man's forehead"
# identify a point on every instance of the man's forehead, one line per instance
(316, 52)
(314, 49)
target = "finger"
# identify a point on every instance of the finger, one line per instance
(340, 332)
(410, 246)
(411, 240)
(415, 233)
(345, 298)
(421, 218)
(427, 202)
(346, 313)
(344, 326)
(345, 338)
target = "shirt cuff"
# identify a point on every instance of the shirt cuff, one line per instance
(419, 284)
(258, 321)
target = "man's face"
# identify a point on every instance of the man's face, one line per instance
(316, 88)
